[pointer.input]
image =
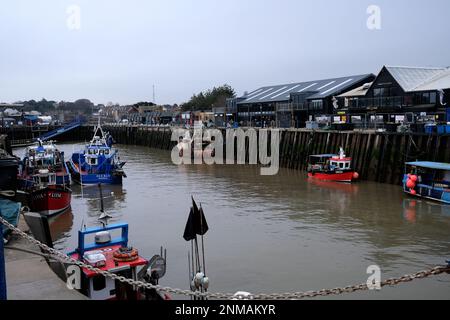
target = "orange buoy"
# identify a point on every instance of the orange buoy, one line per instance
(410, 184)
(356, 175)
(125, 254)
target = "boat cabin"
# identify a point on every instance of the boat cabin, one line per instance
(320, 161)
(428, 179)
(340, 163)
(44, 178)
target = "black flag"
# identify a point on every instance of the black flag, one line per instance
(196, 223)
(200, 225)
(189, 230)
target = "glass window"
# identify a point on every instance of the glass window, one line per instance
(377, 92)
(341, 165)
(317, 104)
(382, 92)
(433, 98)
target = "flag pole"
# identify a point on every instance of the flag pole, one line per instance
(197, 255)
(189, 272)
(203, 243)
(192, 256)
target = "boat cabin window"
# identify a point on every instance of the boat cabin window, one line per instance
(106, 152)
(92, 161)
(101, 152)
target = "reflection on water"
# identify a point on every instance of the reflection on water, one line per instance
(61, 225)
(272, 233)
(112, 195)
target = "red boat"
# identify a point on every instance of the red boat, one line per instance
(115, 256)
(50, 200)
(331, 167)
(45, 196)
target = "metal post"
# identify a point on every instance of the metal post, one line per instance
(2, 267)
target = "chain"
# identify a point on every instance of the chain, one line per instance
(226, 296)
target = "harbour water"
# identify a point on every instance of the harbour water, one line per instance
(269, 233)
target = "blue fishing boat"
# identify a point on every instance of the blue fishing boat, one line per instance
(429, 180)
(98, 162)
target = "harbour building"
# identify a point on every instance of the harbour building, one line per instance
(416, 95)
(292, 105)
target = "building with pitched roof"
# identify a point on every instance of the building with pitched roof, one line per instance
(399, 94)
(292, 104)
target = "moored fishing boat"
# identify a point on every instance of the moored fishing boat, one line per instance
(97, 162)
(44, 178)
(43, 156)
(115, 256)
(430, 180)
(47, 197)
(331, 167)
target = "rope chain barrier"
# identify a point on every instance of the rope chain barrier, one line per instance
(62, 257)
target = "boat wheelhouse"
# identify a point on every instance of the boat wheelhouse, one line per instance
(97, 162)
(43, 156)
(331, 167)
(430, 180)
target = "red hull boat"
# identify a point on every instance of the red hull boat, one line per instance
(331, 167)
(338, 177)
(50, 200)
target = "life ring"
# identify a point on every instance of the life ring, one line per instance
(126, 254)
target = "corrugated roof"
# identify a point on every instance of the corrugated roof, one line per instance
(409, 78)
(441, 81)
(320, 89)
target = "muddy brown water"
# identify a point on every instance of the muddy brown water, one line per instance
(269, 234)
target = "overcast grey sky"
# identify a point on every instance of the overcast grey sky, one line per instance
(122, 48)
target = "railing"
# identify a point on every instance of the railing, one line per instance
(289, 107)
(380, 103)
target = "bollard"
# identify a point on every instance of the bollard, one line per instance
(2, 267)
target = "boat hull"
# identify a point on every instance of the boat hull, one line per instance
(93, 178)
(337, 177)
(427, 192)
(50, 200)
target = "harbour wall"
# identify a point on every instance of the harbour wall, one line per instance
(377, 156)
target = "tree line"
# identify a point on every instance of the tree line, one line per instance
(206, 100)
